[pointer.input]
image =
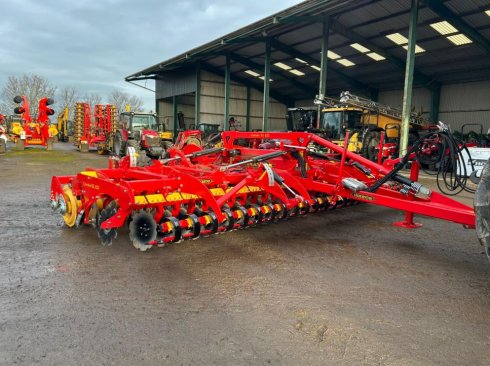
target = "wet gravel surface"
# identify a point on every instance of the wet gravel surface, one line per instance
(342, 287)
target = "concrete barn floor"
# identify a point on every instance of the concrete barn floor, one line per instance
(341, 288)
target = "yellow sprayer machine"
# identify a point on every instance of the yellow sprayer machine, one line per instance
(365, 120)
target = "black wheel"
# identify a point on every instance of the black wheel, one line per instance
(106, 235)
(370, 145)
(142, 230)
(412, 138)
(119, 145)
(17, 99)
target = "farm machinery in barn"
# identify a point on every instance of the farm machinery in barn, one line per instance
(370, 124)
(33, 132)
(253, 179)
(96, 133)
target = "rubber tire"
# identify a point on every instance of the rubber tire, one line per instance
(17, 99)
(119, 145)
(166, 146)
(369, 143)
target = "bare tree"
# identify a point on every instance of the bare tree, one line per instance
(34, 87)
(121, 100)
(67, 97)
(92, 99)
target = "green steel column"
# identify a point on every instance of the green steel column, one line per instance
(267, 75)
(197, 101)
(407, 89)
(247, 118)
(157, 111)
(175, 111)
(322, 88)
(435, 99)
(227, 93)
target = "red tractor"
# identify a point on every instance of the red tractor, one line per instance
(140, 131)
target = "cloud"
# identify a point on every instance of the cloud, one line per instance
(93, 44)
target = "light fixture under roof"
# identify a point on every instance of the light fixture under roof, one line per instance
(282, 66)
(459, 39)
(397, 38)
(345, 62)
(300, 60)
(262, 78)
(296, 72)
(360, 47)
(332, 55)
(487, 12)
(253, 73)
(314, 67)
(401, 40)
(418, 49)
(375, 56)
(444, 28)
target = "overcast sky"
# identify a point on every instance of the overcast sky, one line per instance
(93, 44)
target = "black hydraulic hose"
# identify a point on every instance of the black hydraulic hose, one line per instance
(301, 161)
(451, 174)
(397, 167)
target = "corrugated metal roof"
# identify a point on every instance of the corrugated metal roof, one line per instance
(371, 20)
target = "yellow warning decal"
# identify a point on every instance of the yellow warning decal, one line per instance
(217, 192)
(89, 173)
(140, 200)
(174, 196)
(189, 196)
(155, 198)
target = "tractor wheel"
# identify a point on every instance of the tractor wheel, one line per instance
(166, 146)
(370, 145)
(119, 145)
(482, 209)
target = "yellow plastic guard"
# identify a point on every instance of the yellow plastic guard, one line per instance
(89, 173)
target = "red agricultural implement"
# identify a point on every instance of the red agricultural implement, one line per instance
(97, 132)
(33, 132)
(254, 178)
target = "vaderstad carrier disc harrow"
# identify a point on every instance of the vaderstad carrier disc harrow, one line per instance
(255, 178)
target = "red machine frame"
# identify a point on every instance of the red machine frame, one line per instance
(96, 134)
(254, 178)
(36, 133)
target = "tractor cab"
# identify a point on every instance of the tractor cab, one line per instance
(301, 118)
(137, 122)
(139, 131)
(336, 121)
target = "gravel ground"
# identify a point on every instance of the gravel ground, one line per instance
(342, 287)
